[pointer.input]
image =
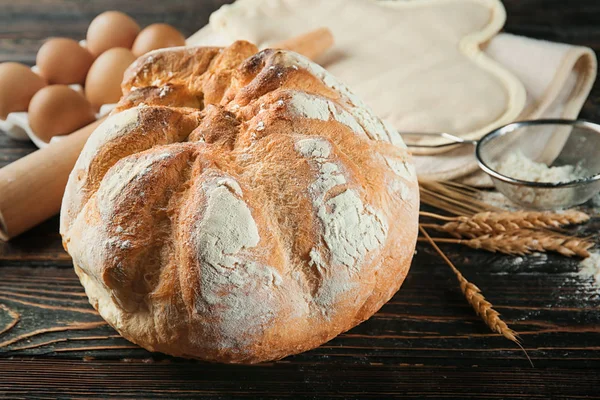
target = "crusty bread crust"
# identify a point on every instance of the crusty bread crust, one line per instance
(239, 206)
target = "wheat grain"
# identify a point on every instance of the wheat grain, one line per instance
(488, 223)
(477, 300)
(527, 241)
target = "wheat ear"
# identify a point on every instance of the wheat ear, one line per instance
(526, 242)
(488, 223)
(475, 298)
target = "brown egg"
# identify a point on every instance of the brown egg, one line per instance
(58, 110)
(111, 29)
(62, 60)
(157, 36)
(103, 83)
(18, 84)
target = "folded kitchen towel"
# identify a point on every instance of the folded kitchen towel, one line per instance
(426, 66)
(557, 79)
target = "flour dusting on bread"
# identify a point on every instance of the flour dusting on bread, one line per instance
(222, 237)
(227, 226)
(401, 168)
(351, 230)
(309, 106)
(316, 107)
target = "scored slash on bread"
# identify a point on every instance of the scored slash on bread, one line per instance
(239, 206)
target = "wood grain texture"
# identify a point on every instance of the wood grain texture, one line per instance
(99, 379)
(426, 342)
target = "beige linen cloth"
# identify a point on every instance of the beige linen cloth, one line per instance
(426, 66)
(557, 79)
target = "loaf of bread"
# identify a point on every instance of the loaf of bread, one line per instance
(239, 206)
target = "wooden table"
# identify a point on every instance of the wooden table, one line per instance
(426, 342)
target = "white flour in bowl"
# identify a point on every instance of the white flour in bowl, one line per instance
(518, 166)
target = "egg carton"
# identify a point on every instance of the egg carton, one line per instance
(16, 125)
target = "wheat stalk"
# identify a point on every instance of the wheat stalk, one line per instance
(488, 223)
(475, 298)
(526, 242)
(452, 197)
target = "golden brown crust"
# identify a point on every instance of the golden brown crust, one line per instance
(239, 206)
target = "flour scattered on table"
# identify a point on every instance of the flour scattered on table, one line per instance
(497, 199)
(590, 272)
(595, 205)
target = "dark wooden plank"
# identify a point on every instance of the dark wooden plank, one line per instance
(11, 150)
(426, 342)
(101, 379)
(24, 24)
(42, 246)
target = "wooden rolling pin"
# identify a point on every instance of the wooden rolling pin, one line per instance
(312, 44)
(31, 188)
